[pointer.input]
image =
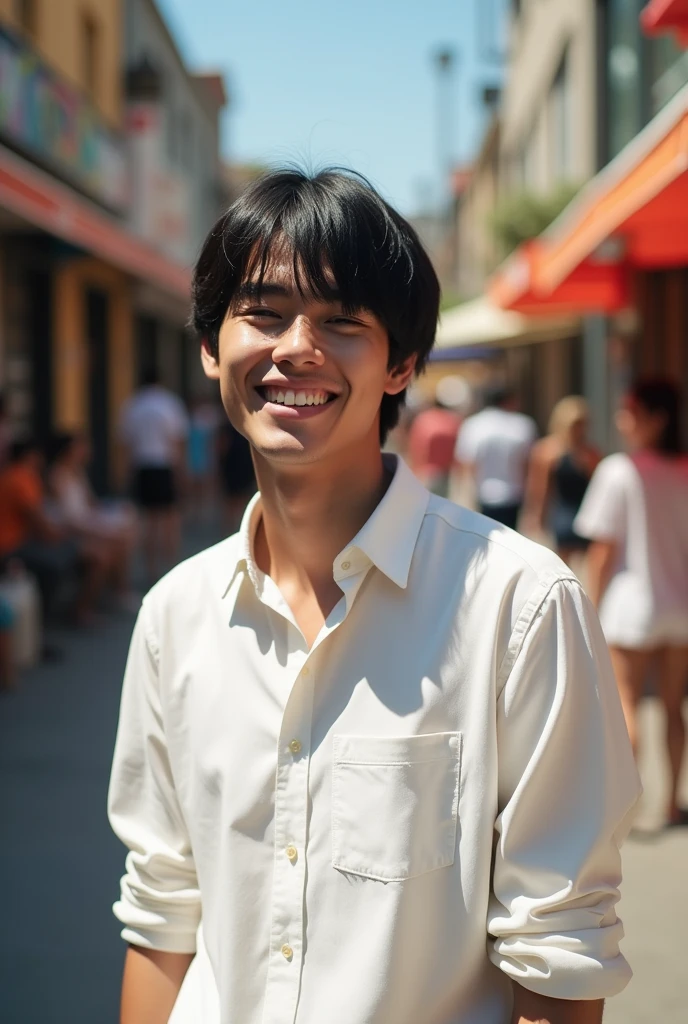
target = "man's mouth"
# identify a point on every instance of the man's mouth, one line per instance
(295, 396)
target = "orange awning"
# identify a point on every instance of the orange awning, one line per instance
(634, 213)
(47, 204)
(666, 16)
(594, 285)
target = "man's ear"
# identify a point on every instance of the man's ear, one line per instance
(400, 376)
(209, 362)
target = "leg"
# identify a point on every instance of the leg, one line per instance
(673, 677)
(630, 670)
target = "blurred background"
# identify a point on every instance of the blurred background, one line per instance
(540, 148)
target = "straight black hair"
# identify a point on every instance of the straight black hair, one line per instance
(657, 395)
(340, 236)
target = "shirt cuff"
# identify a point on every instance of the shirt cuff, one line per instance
(152, 930)
(581, 965)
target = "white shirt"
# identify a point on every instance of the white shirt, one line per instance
(152, 423)
(640, 501)
(331, 813)
(497, 443)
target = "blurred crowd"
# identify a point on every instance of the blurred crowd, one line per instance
(620, 522)
(71, 559)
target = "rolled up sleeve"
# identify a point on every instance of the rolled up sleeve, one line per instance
(567, 787)
(160, 904)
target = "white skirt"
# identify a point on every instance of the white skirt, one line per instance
(631, 619)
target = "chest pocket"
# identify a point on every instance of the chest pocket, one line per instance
(395, 804)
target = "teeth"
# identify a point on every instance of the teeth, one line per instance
(295, 397)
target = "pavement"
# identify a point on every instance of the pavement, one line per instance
(60, 951)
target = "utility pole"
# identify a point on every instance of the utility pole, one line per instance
(445, 62)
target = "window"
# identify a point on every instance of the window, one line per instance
(26, 13)
(624, 73)
(561, 123)
(89, 55)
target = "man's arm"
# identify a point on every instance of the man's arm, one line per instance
(567, 786)
(159, 905)
(151, 984)
(531, 1008)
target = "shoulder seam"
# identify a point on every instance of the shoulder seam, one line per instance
(490, 540)
(525, 620)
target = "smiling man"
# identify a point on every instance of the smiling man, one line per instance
(371, 766)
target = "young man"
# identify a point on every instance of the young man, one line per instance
(371, 744)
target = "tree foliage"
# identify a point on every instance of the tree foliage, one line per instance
(521, 216)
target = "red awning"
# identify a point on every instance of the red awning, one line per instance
(47, 204)
(633, 214)
(666, 16)
(594, 285)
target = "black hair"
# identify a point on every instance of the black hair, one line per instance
(497, 395)
(150, 377)
(658, 395)
(340, 234)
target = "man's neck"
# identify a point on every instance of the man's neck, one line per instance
(309, 515)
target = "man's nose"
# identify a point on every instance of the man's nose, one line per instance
(299, 344)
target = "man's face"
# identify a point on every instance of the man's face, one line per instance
(299, 378)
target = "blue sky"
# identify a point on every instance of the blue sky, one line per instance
(348, 83)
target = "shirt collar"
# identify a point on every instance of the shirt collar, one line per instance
(387, 540)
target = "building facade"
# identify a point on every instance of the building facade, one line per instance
(83, 271)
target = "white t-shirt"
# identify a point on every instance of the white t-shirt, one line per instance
(152, 424)
(640, 501)
(497, 443)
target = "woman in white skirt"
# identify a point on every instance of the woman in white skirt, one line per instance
(636, 514)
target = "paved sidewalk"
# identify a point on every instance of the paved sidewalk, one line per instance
(60, 951)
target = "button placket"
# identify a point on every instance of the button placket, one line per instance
(289, 872)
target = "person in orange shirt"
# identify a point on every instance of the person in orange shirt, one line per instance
(29, 536)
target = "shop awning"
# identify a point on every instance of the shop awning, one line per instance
(633, 214)
(45, 203)
(597, 283)
(666, 16)
(481, 322)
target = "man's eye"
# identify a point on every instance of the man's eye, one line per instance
(259, 311)
(345, 320)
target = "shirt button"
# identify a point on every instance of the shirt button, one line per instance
(287, 952)
(295, 746)
(292, 853)
(346, 565)
(305, 671)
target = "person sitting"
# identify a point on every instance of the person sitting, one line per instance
(104, 530)
(30, 536)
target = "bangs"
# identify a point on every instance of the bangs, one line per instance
(341, 244)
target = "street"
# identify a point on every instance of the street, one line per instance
(60, 951)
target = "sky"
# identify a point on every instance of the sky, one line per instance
(350, 83)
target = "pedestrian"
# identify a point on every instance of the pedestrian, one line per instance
(28, 535)
(153, 428)
(204, 421)
(371, 765)
(636, 514)
(237, 475)
(494, 447)
(433, 432)
(105, 530)
(560, 468)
